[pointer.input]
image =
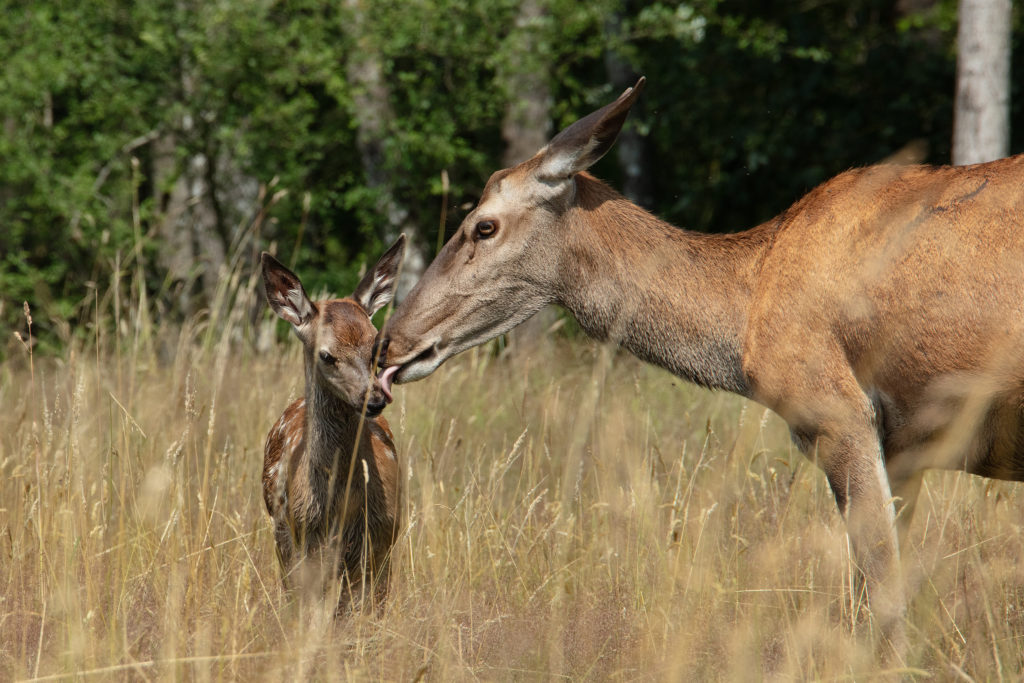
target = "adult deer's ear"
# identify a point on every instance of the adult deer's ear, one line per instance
(285, 293)
(377, 288)
(580, 145)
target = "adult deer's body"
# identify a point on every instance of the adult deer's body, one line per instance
(330, 473)
(882, 316)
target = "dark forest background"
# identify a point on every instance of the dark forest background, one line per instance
(174, 139)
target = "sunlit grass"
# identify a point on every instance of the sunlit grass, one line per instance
(570, 513)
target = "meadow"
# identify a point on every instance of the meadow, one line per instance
(570, 513)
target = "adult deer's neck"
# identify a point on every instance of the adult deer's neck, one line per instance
(674, 298)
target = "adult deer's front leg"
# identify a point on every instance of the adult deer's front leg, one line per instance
(849, 452)
(905, 488)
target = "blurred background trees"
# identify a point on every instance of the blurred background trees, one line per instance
(171, 136)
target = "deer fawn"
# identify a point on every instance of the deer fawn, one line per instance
(330, 474)
(882, 315)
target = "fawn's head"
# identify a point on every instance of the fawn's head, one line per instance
(337, 334)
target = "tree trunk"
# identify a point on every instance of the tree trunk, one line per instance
(193, 251)
(526, 128)
(631, 146)
(177, 252)
(527, 124)
(981, 121)
(373, 115)
(190, 228)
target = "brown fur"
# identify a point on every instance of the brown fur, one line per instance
(330, 472)
(316, 539)
(882, 315)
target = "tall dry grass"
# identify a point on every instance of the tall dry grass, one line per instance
(570, 513)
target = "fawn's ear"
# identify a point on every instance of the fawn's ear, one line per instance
(580, 145)
(285, 293)
(377, 288)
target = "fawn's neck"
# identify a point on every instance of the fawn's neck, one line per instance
(335, 433)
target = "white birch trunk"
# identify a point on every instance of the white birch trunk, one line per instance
(981, 121)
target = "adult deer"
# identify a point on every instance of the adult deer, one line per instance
(330, 473)
(882, 315)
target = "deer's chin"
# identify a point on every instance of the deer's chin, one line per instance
(419, 367)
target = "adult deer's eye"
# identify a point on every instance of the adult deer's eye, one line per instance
(328, 358)
(485, 229)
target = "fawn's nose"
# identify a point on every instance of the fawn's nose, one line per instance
(375, 406)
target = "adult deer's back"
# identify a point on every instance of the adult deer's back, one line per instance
(882, 315)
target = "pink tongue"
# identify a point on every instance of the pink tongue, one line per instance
(385, 381)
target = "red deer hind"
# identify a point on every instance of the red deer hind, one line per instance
(882, 315)
(330, 473)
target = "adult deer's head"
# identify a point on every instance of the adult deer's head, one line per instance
(337, 334)
(501, 266)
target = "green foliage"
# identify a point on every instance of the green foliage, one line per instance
(755, 104)
(749, 105)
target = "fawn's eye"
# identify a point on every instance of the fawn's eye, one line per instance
(485, 229)
(328, 358)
